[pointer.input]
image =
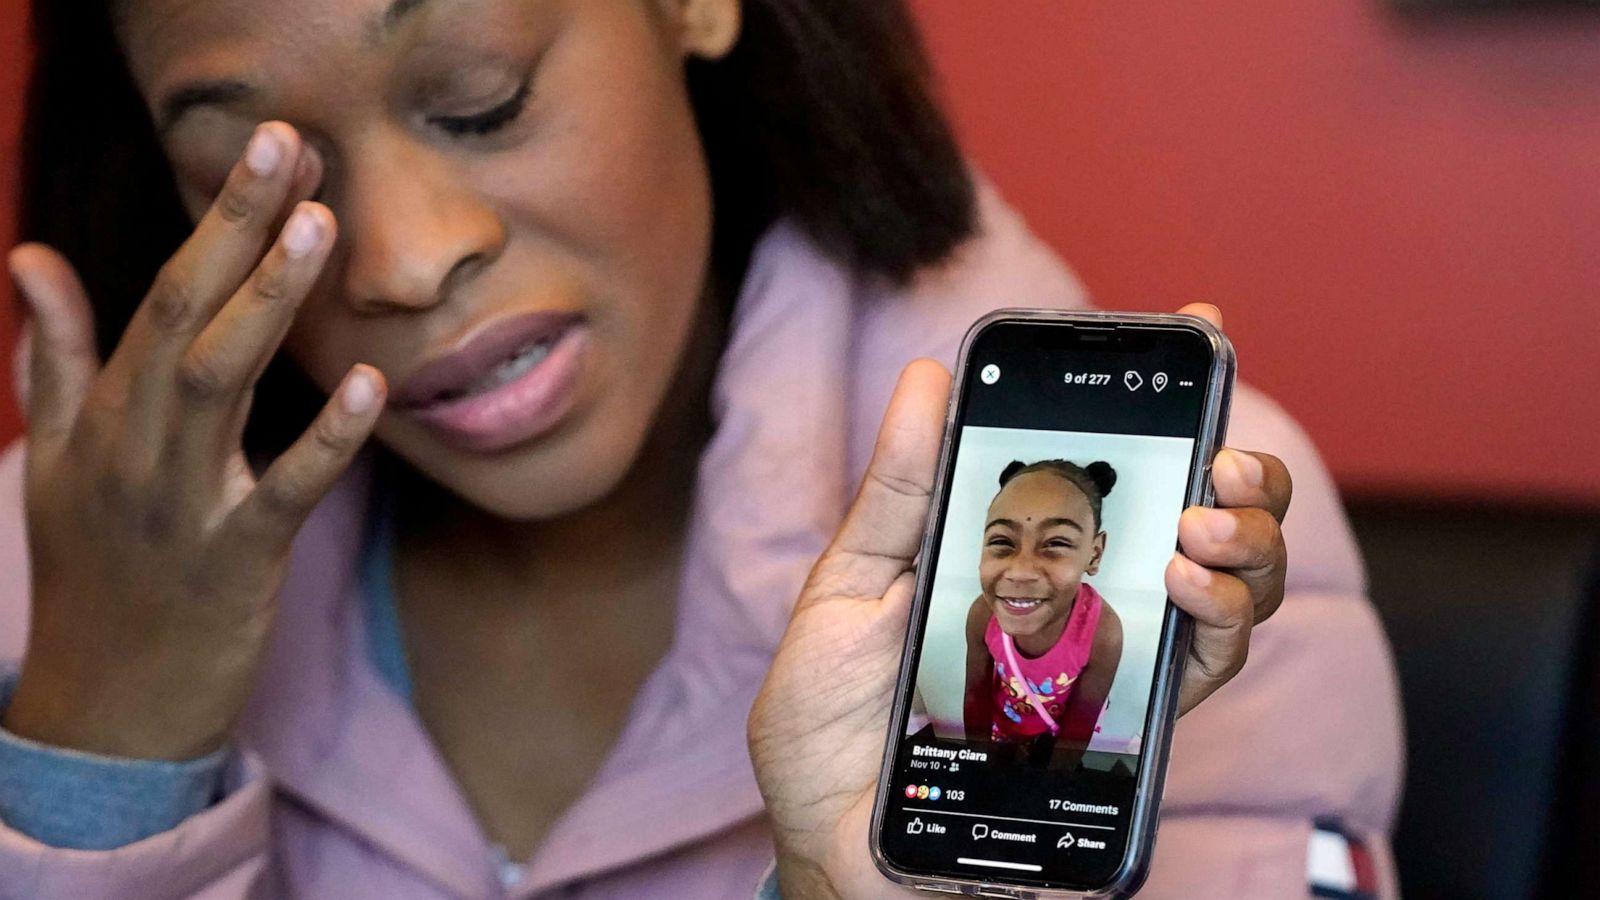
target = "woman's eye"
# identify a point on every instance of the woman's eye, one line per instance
(488, 121)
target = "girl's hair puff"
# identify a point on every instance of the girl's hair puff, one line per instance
(1095, 480)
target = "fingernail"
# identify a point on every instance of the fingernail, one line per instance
(302, 233)
(360, 394)
(1248, 467)
(1220, 525)
(1193, 572)
(264, 153)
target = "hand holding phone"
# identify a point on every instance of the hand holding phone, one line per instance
(817, 732)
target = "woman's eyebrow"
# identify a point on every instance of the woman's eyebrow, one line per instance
(1008, 523)
(178, 103)
(1071, 523)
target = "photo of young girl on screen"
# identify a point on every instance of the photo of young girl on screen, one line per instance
(1042, 645)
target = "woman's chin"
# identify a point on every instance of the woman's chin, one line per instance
(520, 496)
(544, 480)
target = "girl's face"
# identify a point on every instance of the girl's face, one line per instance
(1038, 545)
(523, 205)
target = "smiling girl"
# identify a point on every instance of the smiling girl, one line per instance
(434, 410)
(1042, 644)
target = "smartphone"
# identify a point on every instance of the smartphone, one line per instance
(1032, 718)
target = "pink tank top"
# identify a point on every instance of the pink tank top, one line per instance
(1021, 685)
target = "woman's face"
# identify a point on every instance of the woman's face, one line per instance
(523, 206)
(1038, 545)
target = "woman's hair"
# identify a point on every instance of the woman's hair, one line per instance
(823, 113)
(1095, 480)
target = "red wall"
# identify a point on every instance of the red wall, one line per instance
(1401, 220)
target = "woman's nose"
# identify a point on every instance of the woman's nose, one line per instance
(413, 227)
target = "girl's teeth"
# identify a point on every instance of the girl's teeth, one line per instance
(510, 370)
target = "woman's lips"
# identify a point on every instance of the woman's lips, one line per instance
(507, 384)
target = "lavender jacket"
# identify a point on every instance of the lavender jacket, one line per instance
(334, 789)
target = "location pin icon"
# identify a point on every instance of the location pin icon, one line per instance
(1159, 382)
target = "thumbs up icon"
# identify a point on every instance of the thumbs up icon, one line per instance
(915, 827)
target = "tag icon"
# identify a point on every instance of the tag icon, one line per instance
(1159, 382)
(1132, 379)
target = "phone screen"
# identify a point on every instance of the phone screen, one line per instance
(1035, 659)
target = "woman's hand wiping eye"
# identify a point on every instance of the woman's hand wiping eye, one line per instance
(157, 552)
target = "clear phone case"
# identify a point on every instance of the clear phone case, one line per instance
(1176, 628)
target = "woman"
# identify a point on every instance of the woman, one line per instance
(511, 649)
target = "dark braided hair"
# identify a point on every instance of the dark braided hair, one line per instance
(1095, 480)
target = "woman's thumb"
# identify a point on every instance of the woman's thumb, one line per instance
(59, 346)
